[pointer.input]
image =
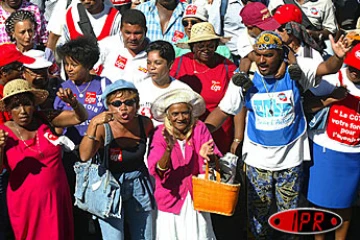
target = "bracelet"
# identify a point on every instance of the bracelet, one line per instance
(237, 140)
(160, 168)
(90, 137)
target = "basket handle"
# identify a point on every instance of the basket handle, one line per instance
(217, 170)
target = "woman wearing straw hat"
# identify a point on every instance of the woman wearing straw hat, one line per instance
(208, 74)
(38, 196)
(177, 152)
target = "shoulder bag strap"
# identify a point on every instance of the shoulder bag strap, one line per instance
(178, 67)
(84, 22)
(305, 20)
(108, 138)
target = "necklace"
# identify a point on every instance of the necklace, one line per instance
(81, 95)
(197, 72)
(27, 146)
(271, 96)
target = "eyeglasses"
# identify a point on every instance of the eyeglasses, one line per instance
(186, 23)
(128, 102)
(36, 72)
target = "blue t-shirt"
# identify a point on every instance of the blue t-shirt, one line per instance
(89, 95)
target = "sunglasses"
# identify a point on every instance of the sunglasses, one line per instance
(192, 22)
(128, 102)
(12, 67)
(282, 28)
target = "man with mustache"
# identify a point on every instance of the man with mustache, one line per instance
(37, 74)
(123, 56)
(275, 137)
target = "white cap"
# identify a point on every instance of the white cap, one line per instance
(196, 11)
(40, 61)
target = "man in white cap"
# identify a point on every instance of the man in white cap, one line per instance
(37, 74)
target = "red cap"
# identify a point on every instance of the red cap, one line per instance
(10, 54)
(258, 15)
(288, 13)
(353, 57)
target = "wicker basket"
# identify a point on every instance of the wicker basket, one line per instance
(214, 196)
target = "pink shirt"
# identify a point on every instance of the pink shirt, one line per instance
(41, 34)
(171, 190)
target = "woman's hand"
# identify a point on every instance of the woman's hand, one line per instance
(67, 96)
(3, 138)
(207, 149)
(102, 118)
(169, 139)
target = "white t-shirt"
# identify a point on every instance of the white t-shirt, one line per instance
(148, 92)
(315, 54)
(118, 63)
(279, 158)
(245, 43)
(326, 86)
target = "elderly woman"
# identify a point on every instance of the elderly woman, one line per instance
(177, 152)
(38, 197)
(196, 13)
(129, 133)
(208, 74)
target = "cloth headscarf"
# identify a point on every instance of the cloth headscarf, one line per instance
(268, 40)
(299, 31)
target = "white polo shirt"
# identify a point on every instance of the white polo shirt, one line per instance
(118, 63)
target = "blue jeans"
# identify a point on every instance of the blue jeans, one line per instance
(141, 223)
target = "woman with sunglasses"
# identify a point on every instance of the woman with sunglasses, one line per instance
(196, 13)
(129, 133)
(79, 56)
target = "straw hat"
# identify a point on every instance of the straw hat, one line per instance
(204, 31)
(163, 102)
(18, 86)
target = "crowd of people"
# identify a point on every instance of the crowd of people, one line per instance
(159, 89)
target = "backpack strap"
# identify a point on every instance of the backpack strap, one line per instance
(108, 138)
(178, 66)
(84, 22)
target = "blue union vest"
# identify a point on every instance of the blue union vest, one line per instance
(275, 114)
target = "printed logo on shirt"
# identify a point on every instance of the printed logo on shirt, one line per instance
(90, 97)
(120, 62)
(142, 69)
(116, 154)
(145, 111)
(314, 11)
(357, 54)
(215, 86)
(52, 138)
(177, 36)
(191, 10)
(273, 112)
(98, 70)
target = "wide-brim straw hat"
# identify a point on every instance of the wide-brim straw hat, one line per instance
(204, 31)
(163, 102)
(18, 86)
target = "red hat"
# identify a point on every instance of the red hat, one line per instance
(10, 54)
(258, 15)
(288, 13)
(353, 57)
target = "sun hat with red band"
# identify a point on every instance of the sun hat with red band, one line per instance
(258, 15)
(353, 57)
(288, 13)
(10, 54)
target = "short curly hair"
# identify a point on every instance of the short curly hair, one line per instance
(18, 16)
(84, 50)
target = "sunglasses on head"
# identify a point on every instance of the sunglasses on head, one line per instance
(128, 102)
(186, 23)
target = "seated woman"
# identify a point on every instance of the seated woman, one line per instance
(38, 191)
(177, 152)
(127, 150)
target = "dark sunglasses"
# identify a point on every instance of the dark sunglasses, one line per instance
(128, 102)
(13, 67)
(282, 28)
(186, 23)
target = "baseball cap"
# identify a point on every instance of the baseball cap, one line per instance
(353, 57)
(10, 54)
(196, 11)
(258, 15)
(288, 13)
(40, 61)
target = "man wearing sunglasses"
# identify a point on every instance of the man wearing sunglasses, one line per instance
(37, 74)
